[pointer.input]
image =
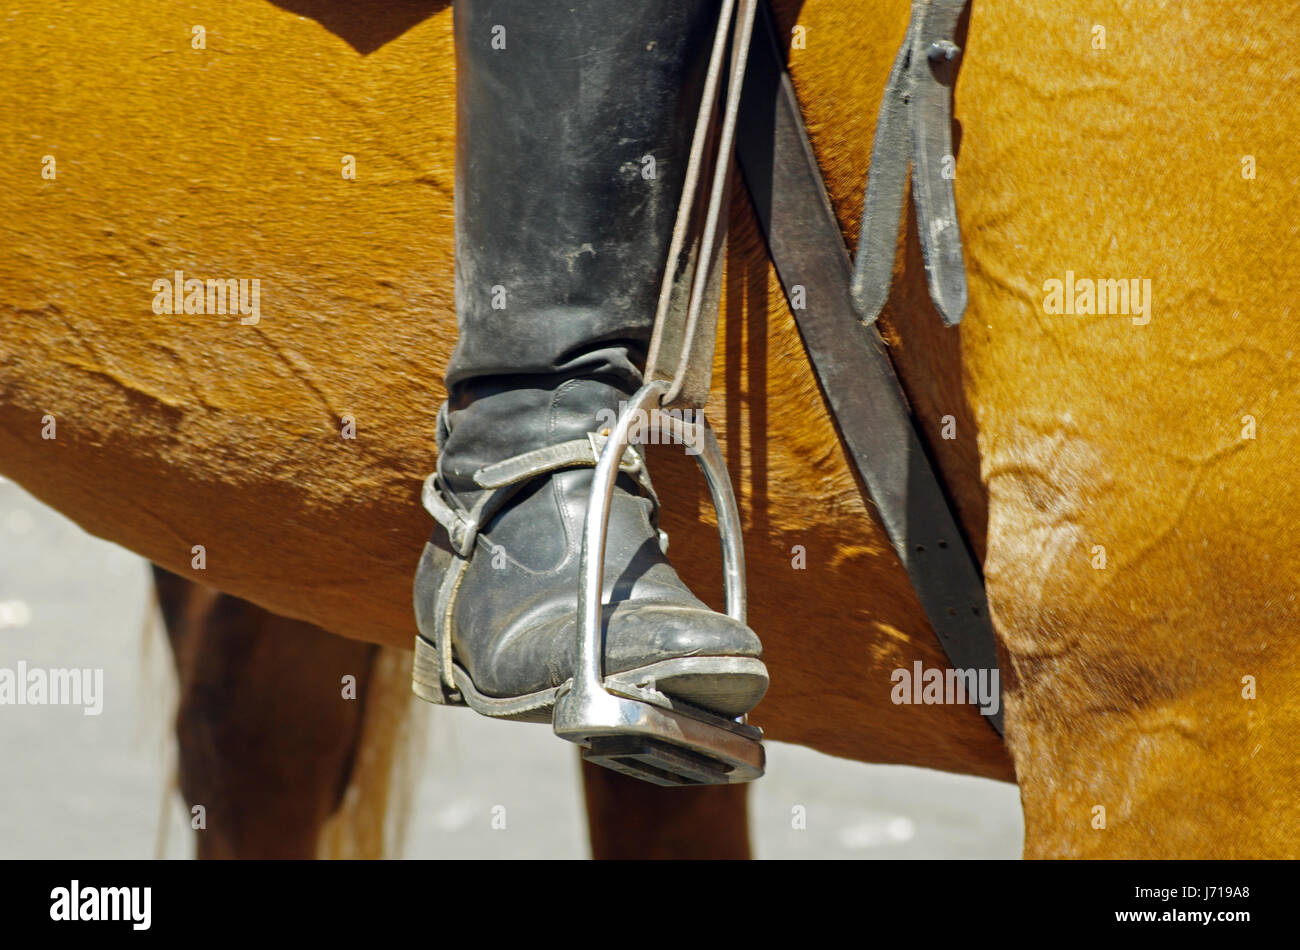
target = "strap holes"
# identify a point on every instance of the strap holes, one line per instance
(975, 611)
(952, 611)
(943, 545)
(920, 549)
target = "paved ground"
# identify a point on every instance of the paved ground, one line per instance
(79, 786)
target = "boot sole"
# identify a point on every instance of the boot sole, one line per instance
(720, 685)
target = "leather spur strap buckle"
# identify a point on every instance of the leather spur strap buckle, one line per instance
(636, 732)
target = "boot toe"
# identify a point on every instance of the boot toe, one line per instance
(718, 665)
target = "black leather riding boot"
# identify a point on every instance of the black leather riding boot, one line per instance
(574, 122)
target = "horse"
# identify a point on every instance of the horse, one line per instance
(1115, 468)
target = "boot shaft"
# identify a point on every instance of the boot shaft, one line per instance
(574, 122)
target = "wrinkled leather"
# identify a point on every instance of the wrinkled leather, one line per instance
(552, 211)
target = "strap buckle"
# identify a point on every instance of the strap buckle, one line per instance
(462, 529)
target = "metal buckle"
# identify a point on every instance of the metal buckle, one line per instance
(665, 745)
(462, 529)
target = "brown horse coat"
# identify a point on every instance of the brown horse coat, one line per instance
(1127, 480)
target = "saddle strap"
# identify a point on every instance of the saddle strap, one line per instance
(852, 365)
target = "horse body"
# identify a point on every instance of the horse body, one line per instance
(1073, 431)
(1140, 566)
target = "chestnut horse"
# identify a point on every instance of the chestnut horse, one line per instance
(1122, 475)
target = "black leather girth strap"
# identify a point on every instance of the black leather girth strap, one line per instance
(851, 362)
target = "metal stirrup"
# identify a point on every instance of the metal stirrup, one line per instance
(641, 733)
(666, 744)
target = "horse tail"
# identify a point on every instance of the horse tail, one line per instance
(373, 814)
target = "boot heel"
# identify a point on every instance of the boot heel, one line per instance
(426, 673)
(426, 676)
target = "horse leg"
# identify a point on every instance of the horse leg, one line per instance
(631, 819)
(268, 725)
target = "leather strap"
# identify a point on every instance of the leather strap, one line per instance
(915, 129)
(853, 367)
(519, 468)
(686, 319)
(501, 480)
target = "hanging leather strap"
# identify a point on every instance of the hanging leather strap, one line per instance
(852, 363)
(686, 321)
(914, 130)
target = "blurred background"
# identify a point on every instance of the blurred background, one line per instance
(78, 786)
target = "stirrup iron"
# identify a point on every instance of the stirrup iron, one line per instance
(642, 733)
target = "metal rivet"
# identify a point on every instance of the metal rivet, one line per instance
(943, 49)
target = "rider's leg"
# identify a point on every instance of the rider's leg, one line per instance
(574, 121)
